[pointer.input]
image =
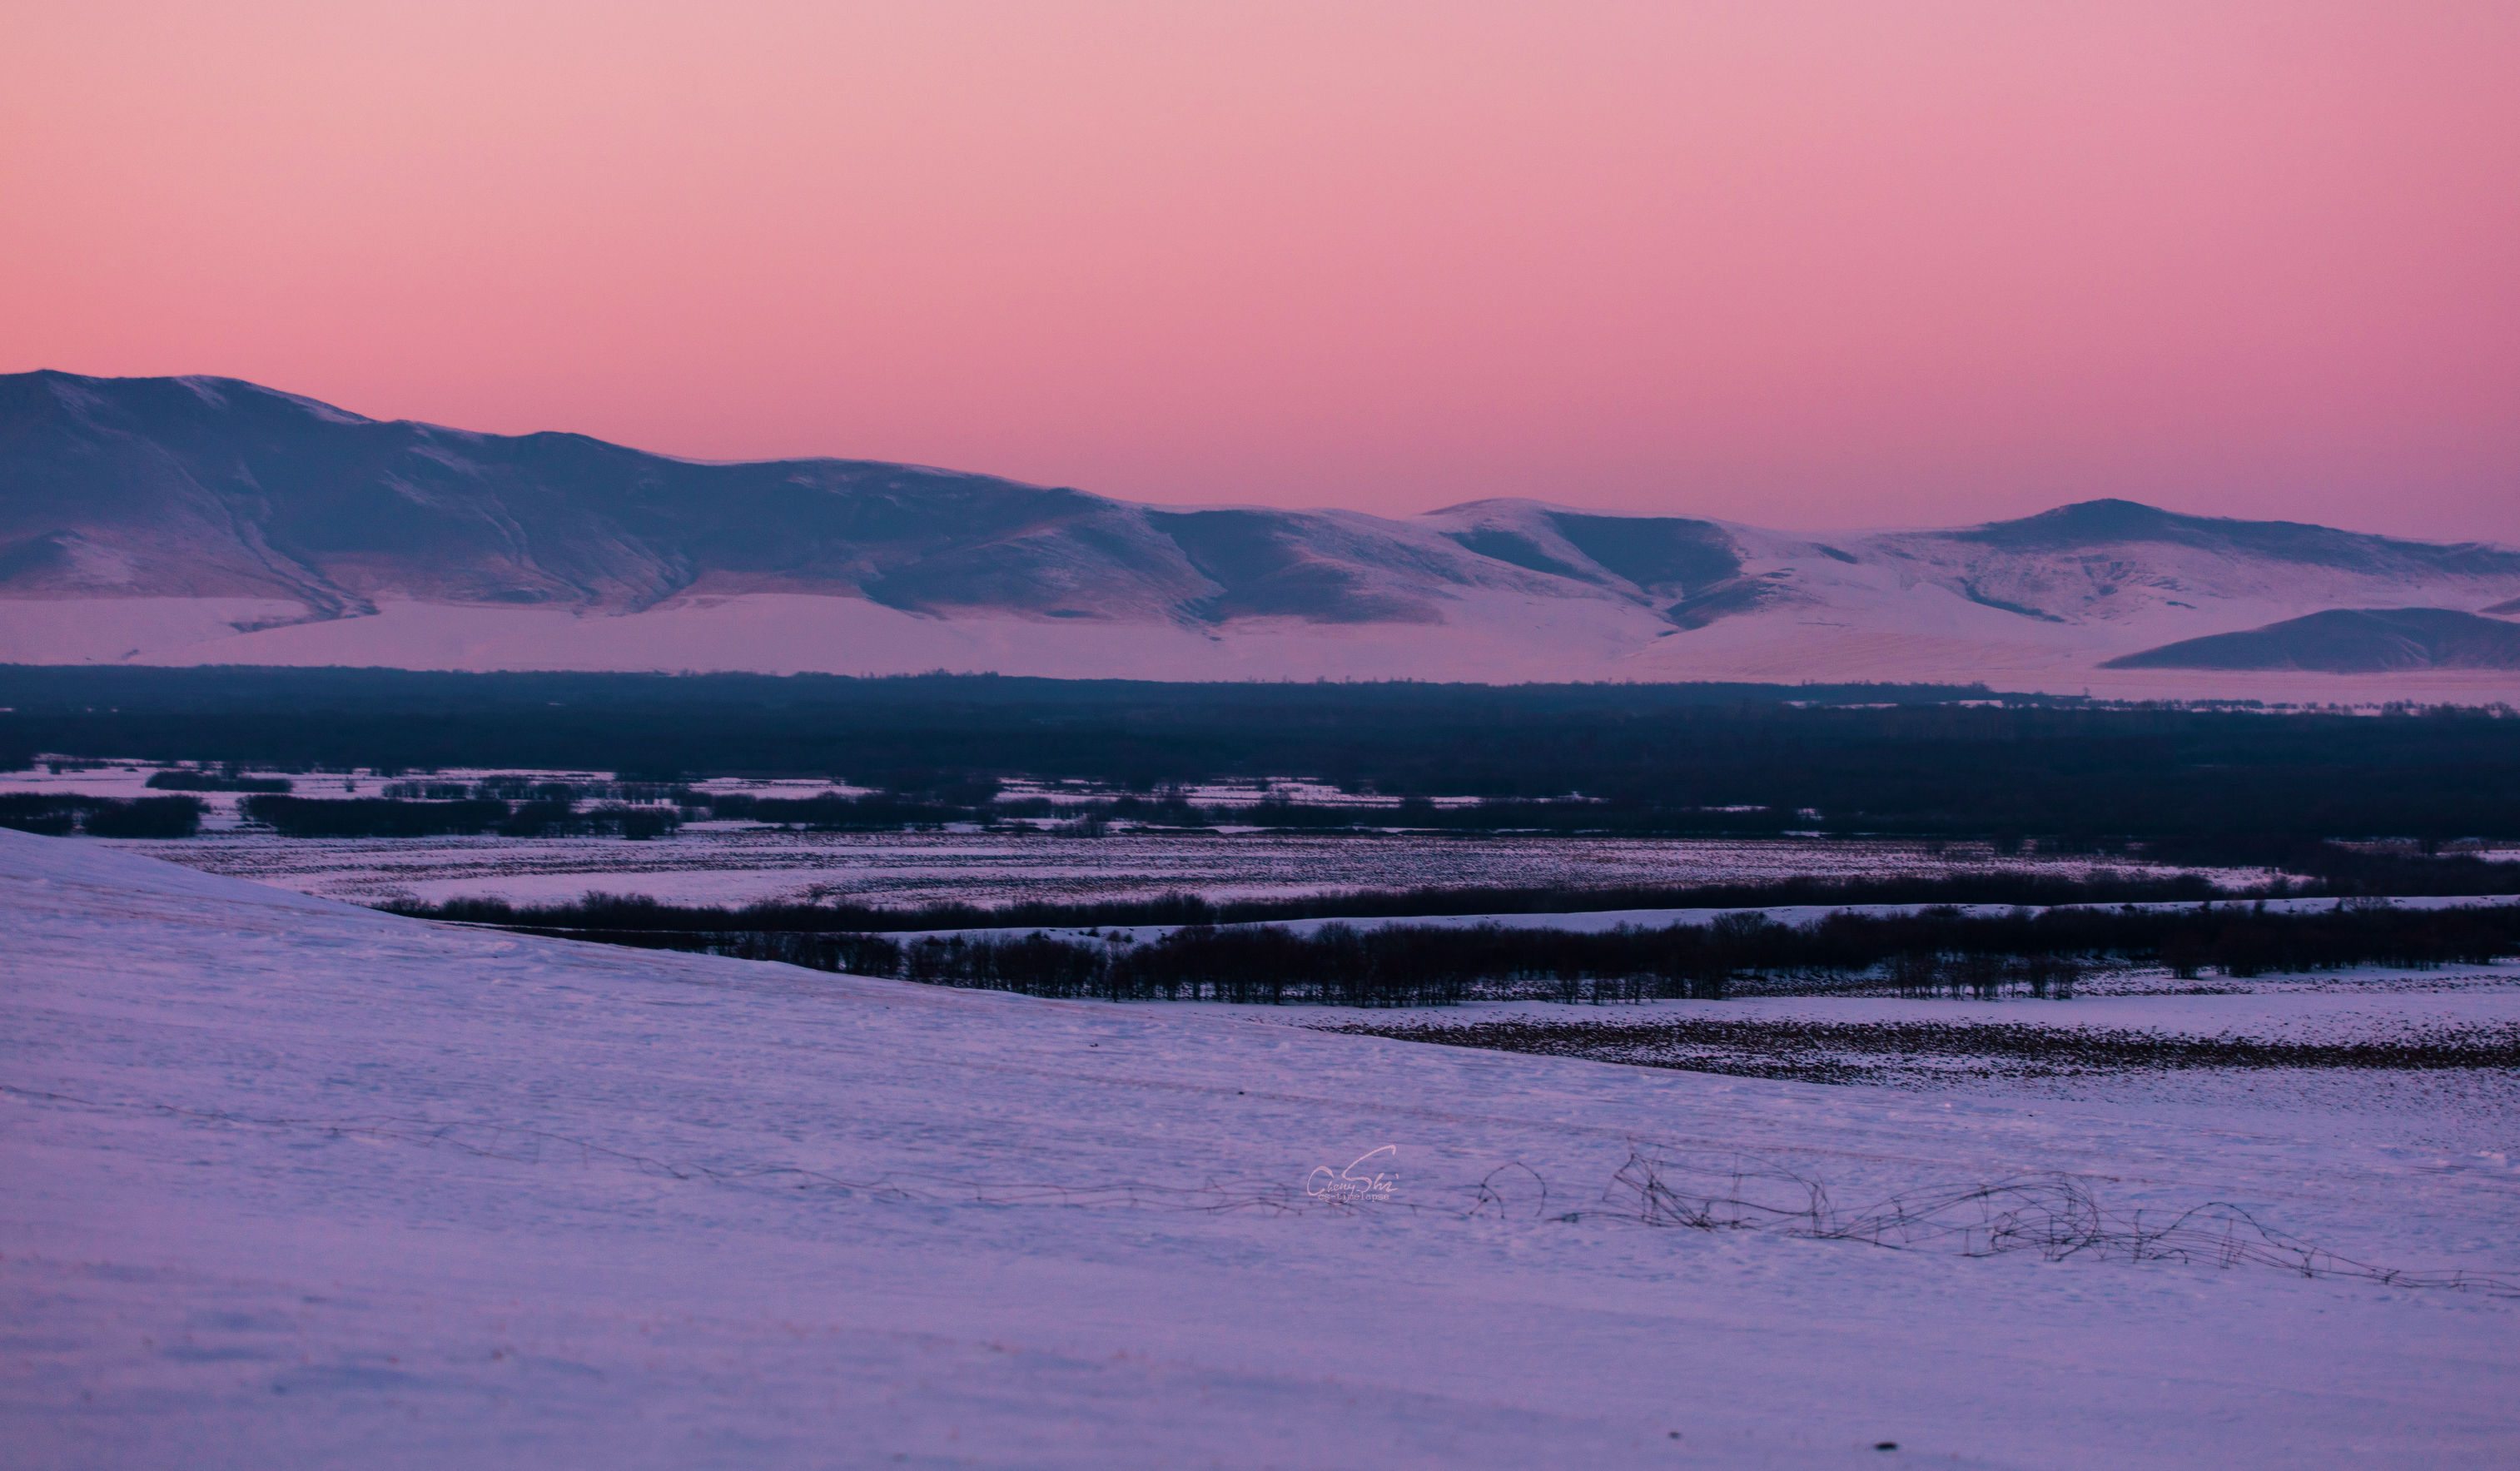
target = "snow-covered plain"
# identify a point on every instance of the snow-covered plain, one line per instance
(1485, 637)
(2468, 1112)
(294, 1184)
(738, 864)
(1603, 921)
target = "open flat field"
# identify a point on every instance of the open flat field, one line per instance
(728, 864)
(2426, 1059)
(739, 862)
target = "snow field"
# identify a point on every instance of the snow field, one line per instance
(736, 865)
(294, 1184)
(1603, 921)
(2464, 1118)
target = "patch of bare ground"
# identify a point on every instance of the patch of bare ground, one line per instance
(1907, 1053)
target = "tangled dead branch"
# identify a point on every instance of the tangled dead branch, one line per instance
(2056, 1214)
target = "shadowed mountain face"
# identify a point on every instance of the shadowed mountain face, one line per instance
(1651, 554)
(189, 491)
(2349, 640)
(1689, 572)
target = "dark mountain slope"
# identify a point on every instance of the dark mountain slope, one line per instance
(2348, 640)
(1651, 557)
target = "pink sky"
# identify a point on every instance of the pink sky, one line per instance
(1797, 264)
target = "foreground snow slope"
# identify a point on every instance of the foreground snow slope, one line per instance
(292, 1183)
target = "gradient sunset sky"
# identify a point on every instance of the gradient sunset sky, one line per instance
(1863, 263)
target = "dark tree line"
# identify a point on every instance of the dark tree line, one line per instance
(1646, 757)
(1934, 952)
(180, 781)
(520, 786)
(2336, 873)
(853, 954)
(59, 814)
(384, 817)
(835, 812)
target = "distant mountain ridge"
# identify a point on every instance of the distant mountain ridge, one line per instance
(199, 519)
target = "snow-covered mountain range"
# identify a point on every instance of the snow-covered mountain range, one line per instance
(198, 520)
